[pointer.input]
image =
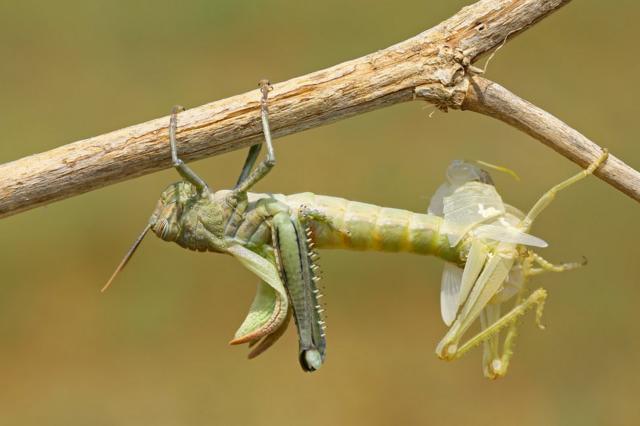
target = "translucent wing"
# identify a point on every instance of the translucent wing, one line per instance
(449, 290)
(485, 287)
(511, 286)
(509, 234)
(469, 205)
(475, 261)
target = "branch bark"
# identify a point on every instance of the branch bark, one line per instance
(489, 98)
(433, 66)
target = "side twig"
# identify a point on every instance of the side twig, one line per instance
(489, 98)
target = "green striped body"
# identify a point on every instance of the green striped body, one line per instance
(350, 225)
(360, 226)
(274, 236)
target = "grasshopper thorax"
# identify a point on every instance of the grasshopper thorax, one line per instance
(166, 221)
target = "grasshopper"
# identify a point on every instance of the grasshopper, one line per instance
(483, 241)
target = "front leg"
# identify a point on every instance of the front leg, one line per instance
(548, 196)
(247, 179)
(254, 151)
(184, 170)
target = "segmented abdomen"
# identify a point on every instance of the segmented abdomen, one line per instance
(340, 223)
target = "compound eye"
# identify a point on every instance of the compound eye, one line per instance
(485, 177)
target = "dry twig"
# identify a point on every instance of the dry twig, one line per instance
(434, 65)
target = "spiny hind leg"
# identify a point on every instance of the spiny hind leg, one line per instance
(547, 197)
(494, 365)
(546, 266)
(491, 346)
(498, 366)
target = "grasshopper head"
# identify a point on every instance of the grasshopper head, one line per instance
(167, 218)
(165, 221)
(460, 172)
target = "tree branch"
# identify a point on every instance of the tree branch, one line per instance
(433, 65)
(491, 99)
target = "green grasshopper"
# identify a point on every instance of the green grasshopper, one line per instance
(275, 236)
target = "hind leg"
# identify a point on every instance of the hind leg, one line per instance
(497, 366)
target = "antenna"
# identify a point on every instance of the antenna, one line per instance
(499, 168)
(126, 258)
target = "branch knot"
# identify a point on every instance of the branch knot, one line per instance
(443, 96)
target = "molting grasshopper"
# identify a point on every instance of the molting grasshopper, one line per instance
(483, 240)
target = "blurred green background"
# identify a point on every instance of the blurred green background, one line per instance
(153, 350)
